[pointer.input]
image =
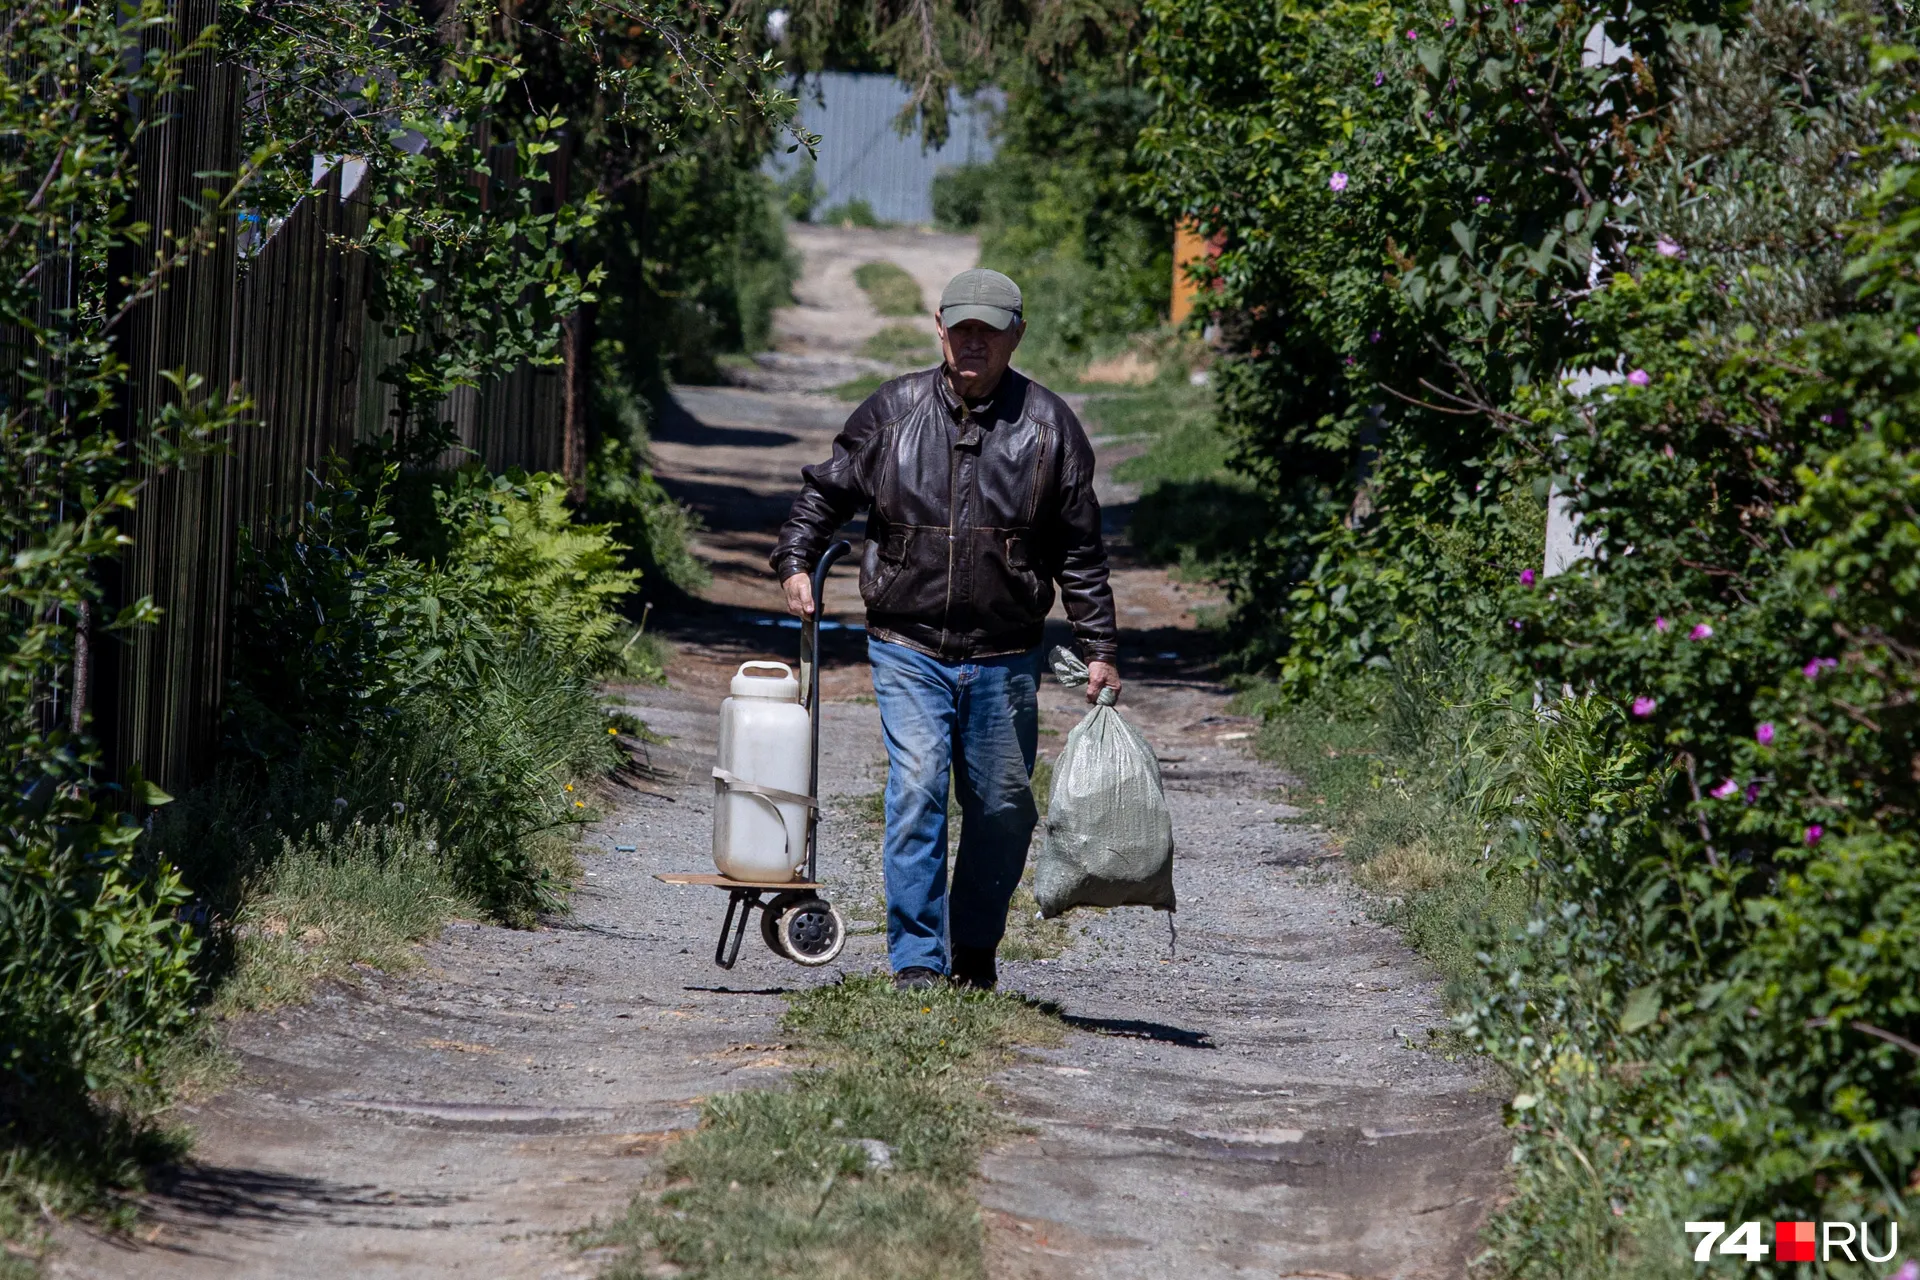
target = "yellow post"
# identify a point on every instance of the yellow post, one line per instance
(1188, 247)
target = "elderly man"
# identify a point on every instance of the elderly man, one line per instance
(978, 484)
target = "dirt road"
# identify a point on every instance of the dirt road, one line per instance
(1240, 1104)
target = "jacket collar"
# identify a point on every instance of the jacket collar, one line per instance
(987, 412)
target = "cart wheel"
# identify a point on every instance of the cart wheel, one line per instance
(770, 922)
(811, 932)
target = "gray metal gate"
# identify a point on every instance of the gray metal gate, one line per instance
(863, 154)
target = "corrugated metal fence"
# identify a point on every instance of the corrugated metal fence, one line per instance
(287, 323)
(863, 154)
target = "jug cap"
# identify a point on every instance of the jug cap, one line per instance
(763, 683)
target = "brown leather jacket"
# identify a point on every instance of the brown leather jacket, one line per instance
(974, 515)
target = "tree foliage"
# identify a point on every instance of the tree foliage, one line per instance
(496, 139)
(1654, 261)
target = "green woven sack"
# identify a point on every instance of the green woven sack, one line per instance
(1108, 840)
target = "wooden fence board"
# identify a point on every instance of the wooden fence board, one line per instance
(286, 322)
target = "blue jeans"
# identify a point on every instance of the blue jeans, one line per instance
(977, 722)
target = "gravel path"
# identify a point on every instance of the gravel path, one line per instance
(1243, 1104)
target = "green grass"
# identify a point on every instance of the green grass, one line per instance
(1193, 512)
(890, 289)
(333, 903)
(91, 1169)
(779, 1183)
(858, 389)
(1394, 829)
(1411, 780)
(900, 344)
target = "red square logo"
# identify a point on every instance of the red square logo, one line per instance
(1793, 1242)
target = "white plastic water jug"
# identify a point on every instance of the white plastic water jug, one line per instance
(765, 745)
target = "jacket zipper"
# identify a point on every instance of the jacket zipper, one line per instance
(953, 502)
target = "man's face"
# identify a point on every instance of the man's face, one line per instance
(978, 353)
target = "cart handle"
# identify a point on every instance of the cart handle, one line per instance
(827, 561)
(810, 658)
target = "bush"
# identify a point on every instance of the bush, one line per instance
(800, 191)
(1430, 221)
(851, 213)
(622, 493)
(370, 684)
(960, 196)
(98, 973)
(1060, 210)
(696, 261)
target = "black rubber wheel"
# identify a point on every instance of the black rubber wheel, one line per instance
(811, 932)
(770, 922)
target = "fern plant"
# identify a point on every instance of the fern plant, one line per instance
(540, 572)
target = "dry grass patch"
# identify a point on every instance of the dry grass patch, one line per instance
(1406, 869)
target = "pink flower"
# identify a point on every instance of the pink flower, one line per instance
(1639, 378)
(1814, 832)
(1526, 577)
(1661, 624)
(1724, 790)
(1668, 249)
(1908, 1271)
(1412, 34)
(1643, 706)
(1764, 733)
(1815, 666)
(1338, 182)
(1753, 792)
(1701, 631)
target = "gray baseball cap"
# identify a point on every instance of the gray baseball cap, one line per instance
(981, 295)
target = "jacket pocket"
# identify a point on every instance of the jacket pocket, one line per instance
(1024, 589)
(882, 571)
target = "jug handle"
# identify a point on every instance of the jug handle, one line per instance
(781, 667)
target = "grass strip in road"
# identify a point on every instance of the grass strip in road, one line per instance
(861, 1167)
(890, 288)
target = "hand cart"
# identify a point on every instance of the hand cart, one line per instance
(795, 921)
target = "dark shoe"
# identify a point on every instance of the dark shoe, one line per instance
(973, 967)
(916, 978)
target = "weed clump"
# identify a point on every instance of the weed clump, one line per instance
(332, 902)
